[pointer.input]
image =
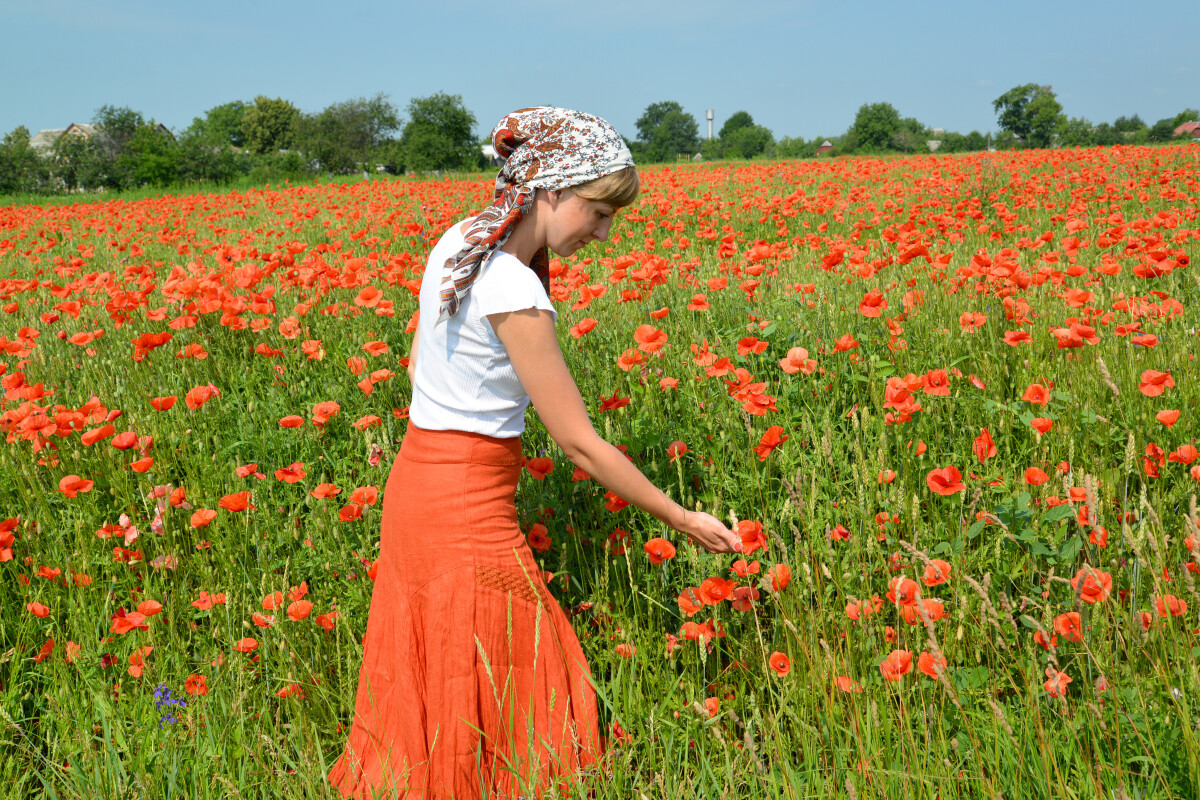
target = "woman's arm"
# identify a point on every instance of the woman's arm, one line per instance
(532, 343)
(412, 355)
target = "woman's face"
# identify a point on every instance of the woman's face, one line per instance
(575, 222)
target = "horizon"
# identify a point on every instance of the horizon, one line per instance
(172, 65)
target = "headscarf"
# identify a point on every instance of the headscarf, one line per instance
(545, 148)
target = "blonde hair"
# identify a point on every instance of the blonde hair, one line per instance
(617, 189)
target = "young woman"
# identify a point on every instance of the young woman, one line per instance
(472, 678)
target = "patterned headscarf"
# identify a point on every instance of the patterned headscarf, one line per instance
(546, 148)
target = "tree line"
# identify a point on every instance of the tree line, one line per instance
(266, 139)
(271, 139)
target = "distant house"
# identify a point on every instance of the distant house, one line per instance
(1191, 129)
(489, 152)
(825, 147)
(43, 142)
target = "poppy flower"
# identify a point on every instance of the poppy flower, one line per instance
(873, 304)
(71, 485)
(930, 664)
(1035, 476)
(1037, 394)
(897, 664)
(124, 622)
(163, 403)
(291, 421)
(1068, 626)
(202, 517)
(539, 467)
(1056, 682)
(936, 572)
(198, 396)
(1153, 383)
(780, 576)
(903, 591)
(365, 495)
(1092, 585)
(971, 321)
(649, 339)
(298, 610)
(539, 538)
(246, 645)
(292, 473)
(149, 607)
(659, 550)
(715, 589)
(845, 342)
(238, 501)
(1168, 416)
(626, 650)
(196, 684)
(324, 490)
(1184, 454)
(699, 302)
(846, 684)
(771, 438)
(675, 449)
(780, 663)
(983, 447)
(689, 602)
(945, 481)
(1041, 424)
(1170, 605)
(752, 535)
(38, 609)
(1014, 338)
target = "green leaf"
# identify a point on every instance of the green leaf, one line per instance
(1058, 513)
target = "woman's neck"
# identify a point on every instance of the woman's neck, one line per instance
(524, 241)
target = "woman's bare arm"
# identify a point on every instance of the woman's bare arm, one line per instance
(532, 343)
(412, 355)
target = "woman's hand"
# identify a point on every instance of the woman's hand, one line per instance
(710, 533)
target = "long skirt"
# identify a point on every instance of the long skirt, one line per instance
(473, 683)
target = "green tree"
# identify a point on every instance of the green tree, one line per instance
(747, 142)
(974, 141)
(1187, 115)
(1162, 131)
(22, 170)
(1077, 132)
(911, 136)
(736, 121)
(220, 125)
(1129, 124)
(1031, 113)
(349, 135)
(269, 125)
(76, 163)
(440, 134)
(665, 130)
(875, 126)
(151, 157)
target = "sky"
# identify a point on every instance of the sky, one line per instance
(800, 68)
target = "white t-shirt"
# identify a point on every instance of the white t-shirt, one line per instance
(464, 379)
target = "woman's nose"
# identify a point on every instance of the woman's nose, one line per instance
(602, 230)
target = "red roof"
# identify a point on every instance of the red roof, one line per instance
(1192, 128)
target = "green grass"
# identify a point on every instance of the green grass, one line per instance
(88, 728)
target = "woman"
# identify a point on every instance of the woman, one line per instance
(472, 678)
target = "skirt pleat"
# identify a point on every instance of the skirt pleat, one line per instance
(473, 683)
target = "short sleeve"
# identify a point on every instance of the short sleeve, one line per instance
(508, 285)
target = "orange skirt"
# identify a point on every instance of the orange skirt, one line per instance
(473, 683)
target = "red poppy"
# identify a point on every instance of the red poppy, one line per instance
(780, 663)
(246, 645)
(771, 438)
(659, 550)
(1037, 394)
(1168, 416)
(1153, 383)
(1092, 585)
(780, 576)
(936, 572)
(202, 517)
(298, 610)
(1056, 682)
(1068, 626)
(539, 467)
(238, 501)
(983, 447)
(897, 664)
(945, 481)
(752, 535)
(1041, 424)
(1170, 605)
(196, 684)
(931, 665)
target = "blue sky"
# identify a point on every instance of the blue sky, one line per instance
(800, 68)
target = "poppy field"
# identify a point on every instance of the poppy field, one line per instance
(950, 404)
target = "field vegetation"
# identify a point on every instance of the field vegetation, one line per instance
(950, 403)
